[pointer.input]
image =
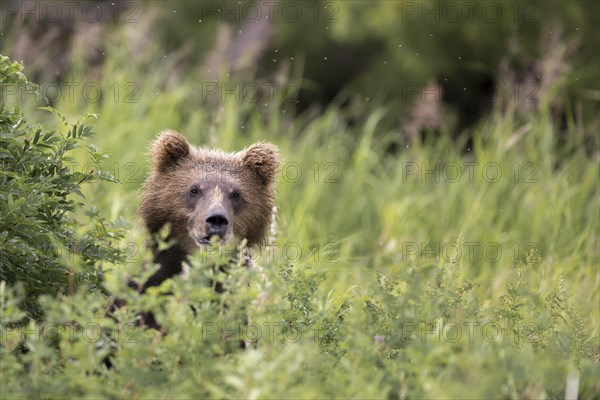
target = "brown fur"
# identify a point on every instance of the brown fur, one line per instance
(236, 187)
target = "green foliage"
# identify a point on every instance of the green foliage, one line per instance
(11, 74)
(49, 240)
(420, 333)
(391, 294)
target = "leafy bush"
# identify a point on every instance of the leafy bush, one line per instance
(418, 334)
(49, 241)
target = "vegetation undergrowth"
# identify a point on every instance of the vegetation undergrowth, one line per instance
(434, 270)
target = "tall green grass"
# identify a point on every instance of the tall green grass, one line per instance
(339, 185)
(340, 189)
(365, 243)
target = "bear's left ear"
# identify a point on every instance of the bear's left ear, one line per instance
(263, 159)
(168, 149)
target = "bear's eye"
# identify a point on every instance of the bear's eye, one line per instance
(194, 191)
(235, 196)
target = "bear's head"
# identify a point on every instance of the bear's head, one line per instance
(203, 193)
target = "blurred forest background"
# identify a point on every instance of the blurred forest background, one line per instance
(440, 169)
(436, 66)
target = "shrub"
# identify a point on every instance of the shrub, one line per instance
(49, 239)
(420, 333)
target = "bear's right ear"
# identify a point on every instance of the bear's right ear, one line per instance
(168, 149)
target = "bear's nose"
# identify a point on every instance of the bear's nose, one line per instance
(217, 223)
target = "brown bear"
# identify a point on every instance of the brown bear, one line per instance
(202, 193)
